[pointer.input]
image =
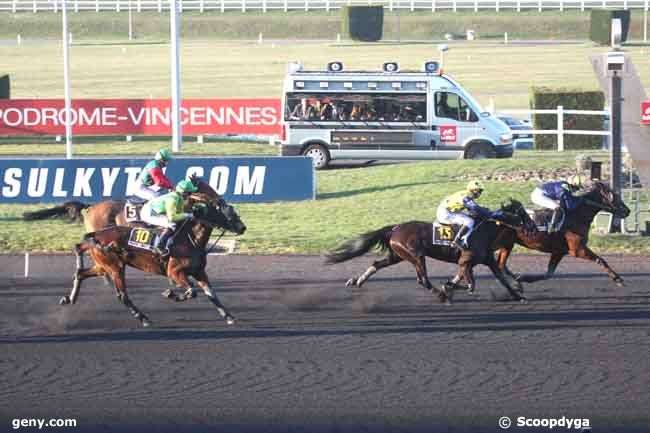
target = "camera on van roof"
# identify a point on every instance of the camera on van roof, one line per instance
(335, 66)
(431, 67)
(390, 67)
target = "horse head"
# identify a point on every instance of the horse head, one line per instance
(601, 195)
(218, 213)
(517, 209)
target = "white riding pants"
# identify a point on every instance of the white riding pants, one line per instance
(149, 216)
(446, 217)
(540, 199)
(148, 192)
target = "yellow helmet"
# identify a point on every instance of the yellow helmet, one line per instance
(474, 185)
(576, 181)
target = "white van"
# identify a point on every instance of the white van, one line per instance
(387, 114)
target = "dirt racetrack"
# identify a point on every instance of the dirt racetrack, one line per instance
(309, 355)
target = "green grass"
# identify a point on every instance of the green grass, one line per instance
(137, 147)
(154, 26)
(350, 201)
(213, 69)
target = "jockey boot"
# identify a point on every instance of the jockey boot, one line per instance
(459, 240)
(165, 239)
(555, 219)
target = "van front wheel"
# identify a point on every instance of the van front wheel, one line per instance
(318, 154)
(479, 151)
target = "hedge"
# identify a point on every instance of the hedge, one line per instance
(600, 28)
(362, 23)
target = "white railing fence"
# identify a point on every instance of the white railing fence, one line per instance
(318, 5)
(560, 131)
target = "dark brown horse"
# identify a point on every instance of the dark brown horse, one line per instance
(111, 252)
(572, 239)
(413, 242)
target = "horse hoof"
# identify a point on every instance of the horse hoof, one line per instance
(64, 300)
(146, 322)
(523, 300)
(619, 282)
(169, 294)
(230, 320)
(470, 292)
(351, 282)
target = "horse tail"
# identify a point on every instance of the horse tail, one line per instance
(71, 208)
(361, 245)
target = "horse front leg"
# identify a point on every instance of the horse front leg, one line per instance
(587, 254)
(503, 255)
(504, 281)
(204, 283)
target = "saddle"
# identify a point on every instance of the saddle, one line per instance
(132, 208)
(444, 234)
(144, 238)
(542, 218)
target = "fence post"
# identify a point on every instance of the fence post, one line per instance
(518, 5)
(243, 6)
(561, 5)
(582, 5)
(604, 4)
(56, 6)
(306, 6)
(222, 6)
(286, 5)
(180, 6)
(475, 5)
(117, 6)
(76, 5)
(327, 6)
(433, 5)
(138, 6)
(97, 6)
(412, 5)
(34, 6)
(159, 6)
(497, 6)
(625, 4)
(560, 128)
(454, 5)
(539, 5)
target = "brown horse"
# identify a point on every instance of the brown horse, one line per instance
(572, 239)
(111, 252)
(413, 242)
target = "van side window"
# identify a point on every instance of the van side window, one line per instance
(356, 107)
(451, 106)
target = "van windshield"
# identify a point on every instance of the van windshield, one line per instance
(362, 107)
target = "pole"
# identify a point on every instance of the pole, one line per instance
(66, 81)
(176, 83)
(645, 22)
(130, 22)
(615, 152)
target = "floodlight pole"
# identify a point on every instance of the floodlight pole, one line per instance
(130, 21)
(177, 136)
(66, 81)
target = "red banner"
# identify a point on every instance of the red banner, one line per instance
(139, 116)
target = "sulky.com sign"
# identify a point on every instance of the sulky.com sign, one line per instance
(250, 179)
(139, 116)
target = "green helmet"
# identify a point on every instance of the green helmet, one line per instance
(163, 155)
(186, 186)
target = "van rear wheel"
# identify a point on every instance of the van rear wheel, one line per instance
(319, 154)
(479, 151)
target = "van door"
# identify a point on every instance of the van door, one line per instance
(455, 121)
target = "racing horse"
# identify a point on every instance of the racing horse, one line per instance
(112, 250)
(572, 239)
(413, 241)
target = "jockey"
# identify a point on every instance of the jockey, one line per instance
(450, 211)
(152, 179)
(166, 211)
(559, 197)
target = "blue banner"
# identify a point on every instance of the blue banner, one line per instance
(254, 179)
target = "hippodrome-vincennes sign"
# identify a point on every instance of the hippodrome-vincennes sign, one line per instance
(139, 116)
(90, 180)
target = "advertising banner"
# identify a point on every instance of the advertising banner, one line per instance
(139, 116)
(254, 179)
